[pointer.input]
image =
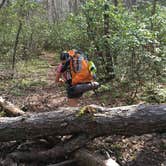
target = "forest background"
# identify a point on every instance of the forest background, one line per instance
(126, 40)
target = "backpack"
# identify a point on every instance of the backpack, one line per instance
(82, 70)
(92, 69)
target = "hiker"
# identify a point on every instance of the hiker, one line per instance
(78, 75)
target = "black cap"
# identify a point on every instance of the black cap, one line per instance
(64, 56)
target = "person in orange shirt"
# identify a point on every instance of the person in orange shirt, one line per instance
(63, 75)
(74, 71)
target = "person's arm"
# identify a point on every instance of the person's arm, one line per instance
(58, 76)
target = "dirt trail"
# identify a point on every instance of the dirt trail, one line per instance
(49, 96)
(57, 92)
(50, 58)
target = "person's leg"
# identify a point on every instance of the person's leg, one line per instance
(73, 97)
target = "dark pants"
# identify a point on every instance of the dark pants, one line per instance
(76, 91)
(71, 92)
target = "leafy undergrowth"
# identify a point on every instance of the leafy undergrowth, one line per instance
(34, 90)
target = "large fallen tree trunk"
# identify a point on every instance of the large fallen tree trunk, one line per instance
(127, 121)
(58, 151)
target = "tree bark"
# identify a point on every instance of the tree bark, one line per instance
(153, 12)
(116, 3)
(2, 3)
(10, 108)
(15, 45)
(58, 151)
(85, 158)
(129, 3)
(127, 121)
(109, 60)
(65, 163)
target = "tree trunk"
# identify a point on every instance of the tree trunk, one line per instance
(2, 3)
(129, 3)
(109, 60)
(50, 11)
(153, 12)
(58, 151)
(65, 163)
(92, 120)
(116, 3)
(15, 45)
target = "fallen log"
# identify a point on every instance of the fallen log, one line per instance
(10, 108)
(93, 120)
(58, 151)
(85, 158)
(82, 156)
(65, 163)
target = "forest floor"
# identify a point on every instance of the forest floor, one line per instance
(45, 95)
